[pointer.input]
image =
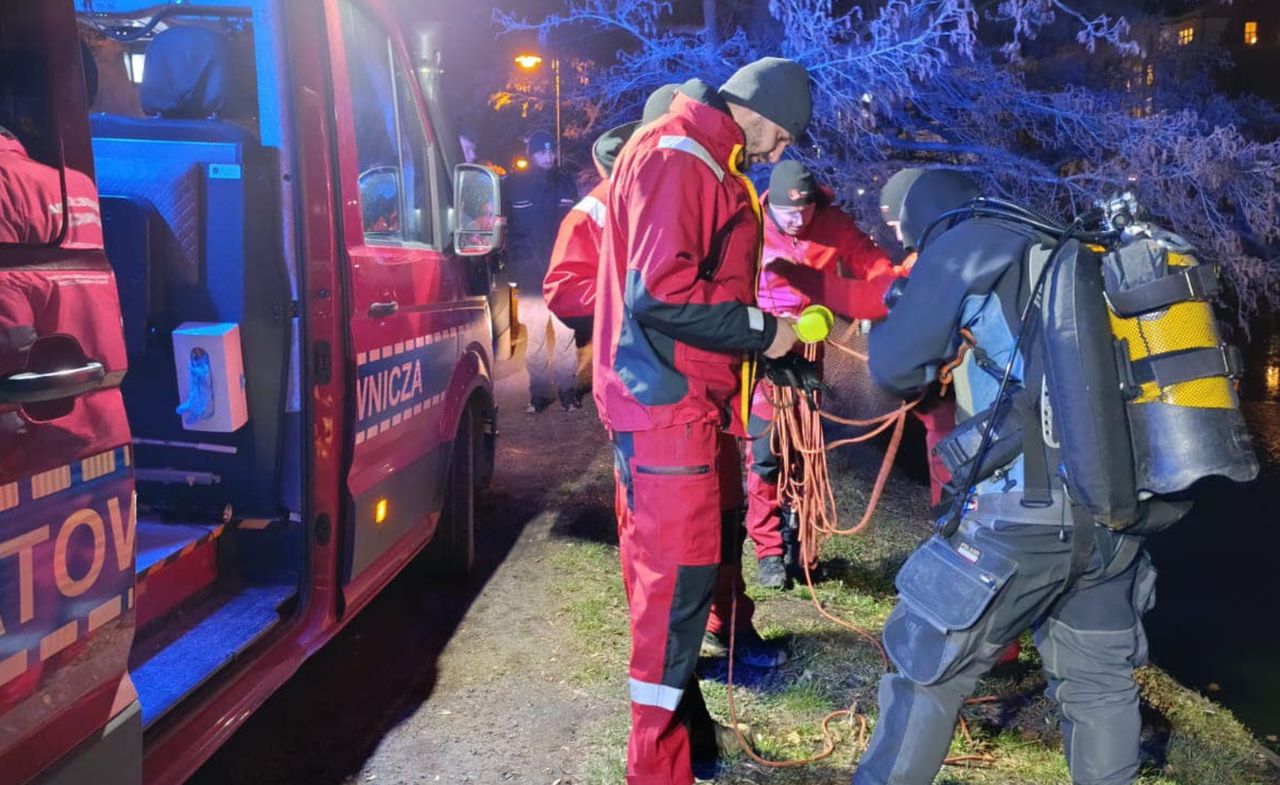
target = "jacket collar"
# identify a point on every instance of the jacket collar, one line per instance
(702, 107)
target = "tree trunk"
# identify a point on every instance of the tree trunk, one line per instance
(709, 28)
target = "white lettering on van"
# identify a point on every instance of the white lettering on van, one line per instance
(388, 389)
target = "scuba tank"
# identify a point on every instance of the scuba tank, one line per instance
(1176, 373)
(1138, 397)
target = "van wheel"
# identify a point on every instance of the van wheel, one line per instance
(452, 551)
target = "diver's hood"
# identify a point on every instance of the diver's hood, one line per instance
(917, 197)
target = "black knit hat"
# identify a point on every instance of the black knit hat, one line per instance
(659, 102)
(540, 142)
(606, 148)
(792, 185)
(775, 88)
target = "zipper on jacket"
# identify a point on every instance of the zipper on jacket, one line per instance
(673, 471)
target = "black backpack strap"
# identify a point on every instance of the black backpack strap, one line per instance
(1183, 366)
(1037, 483)
(1201, 282)
(1082, 541)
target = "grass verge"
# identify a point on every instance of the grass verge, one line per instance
(1187, 739)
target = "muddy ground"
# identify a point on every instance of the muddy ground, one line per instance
(518, 675)
(454, 683)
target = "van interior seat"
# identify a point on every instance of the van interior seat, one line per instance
(193, 205)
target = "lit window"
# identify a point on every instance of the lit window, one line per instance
(1250, 33)
(1186, 35)
(134, 62)
(1151, 75)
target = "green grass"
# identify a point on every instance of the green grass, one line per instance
(1190, 740)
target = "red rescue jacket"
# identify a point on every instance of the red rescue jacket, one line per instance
(855, 271)
(570, 285)
(675, 313)
(31, 201)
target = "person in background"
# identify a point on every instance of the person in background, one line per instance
(537, 200)
(468, 141)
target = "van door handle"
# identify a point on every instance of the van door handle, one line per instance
(383, 310)
(36, 386)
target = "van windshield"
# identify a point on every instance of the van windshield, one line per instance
(41, 202)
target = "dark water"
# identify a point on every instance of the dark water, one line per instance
(1216, 625)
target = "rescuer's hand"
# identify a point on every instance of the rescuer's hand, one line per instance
(909, 262)
(792, 370)
(783, 340)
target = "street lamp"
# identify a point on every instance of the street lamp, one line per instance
(530, 62)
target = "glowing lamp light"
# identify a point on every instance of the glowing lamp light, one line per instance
(528, 61)
(522, 163)
(380, 511)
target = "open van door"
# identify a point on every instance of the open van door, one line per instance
(67, 507)
(418, 339)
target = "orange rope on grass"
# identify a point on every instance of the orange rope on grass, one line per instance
(805, 481)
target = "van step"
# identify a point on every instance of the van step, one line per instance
(176, 561)
(232, 624)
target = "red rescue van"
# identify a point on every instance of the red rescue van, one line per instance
(246, 352)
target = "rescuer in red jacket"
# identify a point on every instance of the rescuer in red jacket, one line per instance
(569, 287)
(674, 321)
(570, 292)
(814, 241)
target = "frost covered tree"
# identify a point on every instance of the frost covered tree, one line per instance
(1044, 100)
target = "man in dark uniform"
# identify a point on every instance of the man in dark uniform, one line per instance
(1008, 563)
(537, 201)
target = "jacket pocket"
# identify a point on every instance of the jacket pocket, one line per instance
(676, 515)
(949, 590)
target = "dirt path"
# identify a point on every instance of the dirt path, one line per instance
(462, 683)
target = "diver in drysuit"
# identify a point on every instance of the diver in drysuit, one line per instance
(1012, 557)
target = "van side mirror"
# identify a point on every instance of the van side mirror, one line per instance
(478, 226)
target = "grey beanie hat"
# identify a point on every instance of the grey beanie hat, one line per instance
(775, 88)
(606, 148)
(659, 102)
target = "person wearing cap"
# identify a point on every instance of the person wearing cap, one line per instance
(937, 415)
(675, 323)
(814, 253)
(536, 201)
(569, 287)
(1013, 556)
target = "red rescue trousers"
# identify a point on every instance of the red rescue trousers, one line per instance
(938, 421)
(764, 522)
(680, 544)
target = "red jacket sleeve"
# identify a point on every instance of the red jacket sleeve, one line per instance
(867, 261)
(570, 284)
(862, 296)
(847, 297)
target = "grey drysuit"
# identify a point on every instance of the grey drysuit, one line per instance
(964, 598)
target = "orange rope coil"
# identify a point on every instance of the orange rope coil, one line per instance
(805, 482)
